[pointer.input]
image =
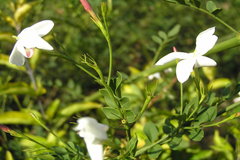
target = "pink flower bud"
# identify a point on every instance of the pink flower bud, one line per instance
(174, 49)
(89, 9)
(86, 5)
(5, 128)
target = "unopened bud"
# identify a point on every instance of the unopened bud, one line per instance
(86, 5)
(89, 9)
(174, 49)
(5, 128)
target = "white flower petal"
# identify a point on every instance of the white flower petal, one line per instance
(203, 61)
(20, 48)
(95, 151)
(40, 43)
(155, 75)
(172, 56)
(91, 129)
(205, 41)
(42, 28)
(184, 69)
(16, 57)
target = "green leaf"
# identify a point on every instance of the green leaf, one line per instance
(110, 101)
(15, 117)
(154, 152)
(9, 37)
(119, 80)
(112, 113)
(174, 31)
(212, 8)
(60, 150)
(208, 114)
(202, 155)
(196, 134)
(192, 103)
(168, 127)
(172, 1)
(175, 141)
(157, 39)
(20, 88)
(163, 35)
(9, 155)
(222, 146)
(219, 83)
(196, 3)
(78, 107)
(29, 141)
(124, 102)
(52, 109)
(132, 144)
(4, 60)
(130, 116)
(151, 131)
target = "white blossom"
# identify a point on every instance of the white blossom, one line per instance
(155, 75)
(28, 39)
(204, 42)
(93, 134)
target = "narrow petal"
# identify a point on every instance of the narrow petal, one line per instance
(203, 61)
(39, 43)
(172, 56)
(95, 151)
(184, 69)
(42, 28)
(16, 57)
(205, 41)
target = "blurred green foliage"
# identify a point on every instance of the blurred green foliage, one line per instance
(139, 31)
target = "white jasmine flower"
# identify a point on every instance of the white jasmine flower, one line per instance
(29, 39)
(93, 134)
(155, 75)
(204, 42)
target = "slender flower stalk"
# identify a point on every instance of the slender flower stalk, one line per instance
(104, 29)
(204, 42)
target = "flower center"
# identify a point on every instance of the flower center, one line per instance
(29, 52)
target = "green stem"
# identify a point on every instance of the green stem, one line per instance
(159, 50)
(216, 18)
(213, 124)
(181, 98)
(220, 122)
(86, 71)
(142, 150)
(76, 64)
(194, 111)
(145, 105)
(17, 102)
(110, 59)
(231, 107)
(104, 28)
